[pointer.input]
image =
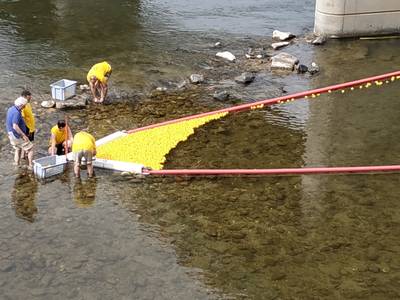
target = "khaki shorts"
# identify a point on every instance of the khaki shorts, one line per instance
(88, 155)
(19, 144)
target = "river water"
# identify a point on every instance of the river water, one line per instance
(122, 237)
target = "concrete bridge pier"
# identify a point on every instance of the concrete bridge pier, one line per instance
(350, 18)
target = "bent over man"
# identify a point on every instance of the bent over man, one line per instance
(60, 139)
(84, 146)
(98, 77)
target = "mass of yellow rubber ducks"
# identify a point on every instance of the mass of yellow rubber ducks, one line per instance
(150, 147)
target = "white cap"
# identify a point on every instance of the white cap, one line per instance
(20, 101)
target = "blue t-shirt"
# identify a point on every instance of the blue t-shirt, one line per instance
(14, 116)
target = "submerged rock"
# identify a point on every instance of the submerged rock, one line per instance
(284, 61)
(79, 101)
(217, 45)
(301, 68)
(245, 78)
(227, 55)
(282, 36)
(256, 53)
(181, 84)
(320, 40)
(221, 96)
(313, 69)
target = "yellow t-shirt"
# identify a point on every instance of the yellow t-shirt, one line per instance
(59, 134)
(99, 70)
(28, 117)
(83, 141)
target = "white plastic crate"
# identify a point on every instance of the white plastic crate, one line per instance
(63, 89)
(49, 165)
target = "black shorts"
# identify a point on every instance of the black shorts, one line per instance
(31, 136)
(60, 149)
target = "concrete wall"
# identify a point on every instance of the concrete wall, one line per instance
(341, 18)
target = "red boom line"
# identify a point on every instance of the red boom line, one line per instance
(287, 171)
(296, 96)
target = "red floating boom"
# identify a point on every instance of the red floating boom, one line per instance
(297, 96)
(288, 171)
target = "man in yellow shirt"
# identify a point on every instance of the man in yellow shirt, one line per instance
(28, 115)
(59, 140)
(98, 77)
(84, 146)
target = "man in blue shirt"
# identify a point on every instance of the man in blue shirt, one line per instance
(17, 132)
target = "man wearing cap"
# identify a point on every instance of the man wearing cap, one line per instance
(16, 129)
(98, 77)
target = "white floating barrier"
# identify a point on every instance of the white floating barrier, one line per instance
(113, 164)
(118, 165)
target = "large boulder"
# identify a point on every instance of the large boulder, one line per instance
(284, 61)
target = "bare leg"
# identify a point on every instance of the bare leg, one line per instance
(90, 170)
(30, 158)
(77, 170)
(103, 92)
(93, 88)
(17, 156)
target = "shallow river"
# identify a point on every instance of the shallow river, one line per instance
(122, 237)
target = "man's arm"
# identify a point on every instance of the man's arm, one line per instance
(20, 132)
(53, 144)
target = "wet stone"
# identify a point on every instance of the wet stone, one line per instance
(278, 275)
(270, 261)
(279, 45)
(6, 265)
(372, 254)
(221, 96)
(301, 69)
(36, 292)
(366, 202)
(46, 280)
(320, 40)
(313, 69)
(79, 101)
(245, 78)
(196, 78)
(373, 269)
(253, 53)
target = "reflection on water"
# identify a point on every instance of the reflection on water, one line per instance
(24, 195)
(84, 192)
